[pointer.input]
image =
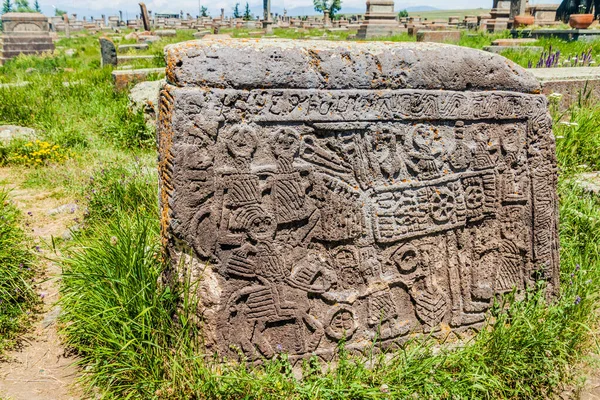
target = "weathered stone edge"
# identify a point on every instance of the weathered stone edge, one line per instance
(284, 64)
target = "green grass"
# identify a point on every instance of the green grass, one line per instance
(17, 298)
(138, 342)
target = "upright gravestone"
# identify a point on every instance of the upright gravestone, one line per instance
(24, 33)
(145, 17)
(108, 52)
(380, 20)
(65, 18)
(353, 191)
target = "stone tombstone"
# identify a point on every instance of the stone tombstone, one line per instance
(65, 18)
(145, 17)
(108, 51)
(380, 20)
(347, 190)
(24, 33)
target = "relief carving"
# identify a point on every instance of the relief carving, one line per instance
(321, 224)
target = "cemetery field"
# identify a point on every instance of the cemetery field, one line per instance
(79, 216)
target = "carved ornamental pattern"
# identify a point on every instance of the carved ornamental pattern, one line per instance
(315, 215)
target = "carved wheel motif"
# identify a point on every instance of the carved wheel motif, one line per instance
(474, 195)
(342, 323)
(442, 205)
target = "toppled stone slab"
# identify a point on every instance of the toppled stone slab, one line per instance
(123, 78)
(10, 132)
(14, 85)
(568, 84)
(201, 34)
(144, 96)
(513, 42)
(149, 39)
(438, 36)
(500, 49)
(165, 32)
(70, 208)
(124, 48)
(351, 191)
(589, 181)
(130, 59)
(219, 36)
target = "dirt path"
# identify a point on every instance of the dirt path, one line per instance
(40, 369)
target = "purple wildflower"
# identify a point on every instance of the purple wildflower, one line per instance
(577, 300)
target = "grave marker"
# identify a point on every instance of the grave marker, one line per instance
(351, 190)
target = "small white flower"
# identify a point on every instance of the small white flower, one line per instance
(560, 137)
(557, 96)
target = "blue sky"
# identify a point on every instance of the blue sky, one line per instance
(129, 7)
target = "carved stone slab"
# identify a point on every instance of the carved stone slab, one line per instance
(319, 191)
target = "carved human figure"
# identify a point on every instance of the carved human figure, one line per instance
(460, 159)
(425, 153)
(514, 166)
(486, 147)
(269, 298)
(513, 250)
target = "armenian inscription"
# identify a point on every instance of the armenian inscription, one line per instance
(313, 215)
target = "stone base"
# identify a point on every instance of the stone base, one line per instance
(569, 82)
(500, 49)
(13, 45)
(126, 47)
(123, 78)
(129, 59)
(438, 36)
(369, 31)
(564, 34)
(496, 25)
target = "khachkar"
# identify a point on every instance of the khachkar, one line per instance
(24, 33)
(380, 20)
(317, 191)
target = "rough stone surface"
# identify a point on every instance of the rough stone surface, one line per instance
(438, 36)
(144, 96)
(165, 32)
(123, 48)
(108, 51)
(521, 49)
(589, 181)
(570, 83)
(124, 78)
(317, 191)
(130, 59)
(10, 132)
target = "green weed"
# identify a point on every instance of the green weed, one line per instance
(16, 295)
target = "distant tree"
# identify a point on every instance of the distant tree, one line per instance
(403, 14)
(23, 6)
(236, 11)
(332, 5)
(37, 7)
(247, 13)
(58, 12)
(6, 6)
(203, 11)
